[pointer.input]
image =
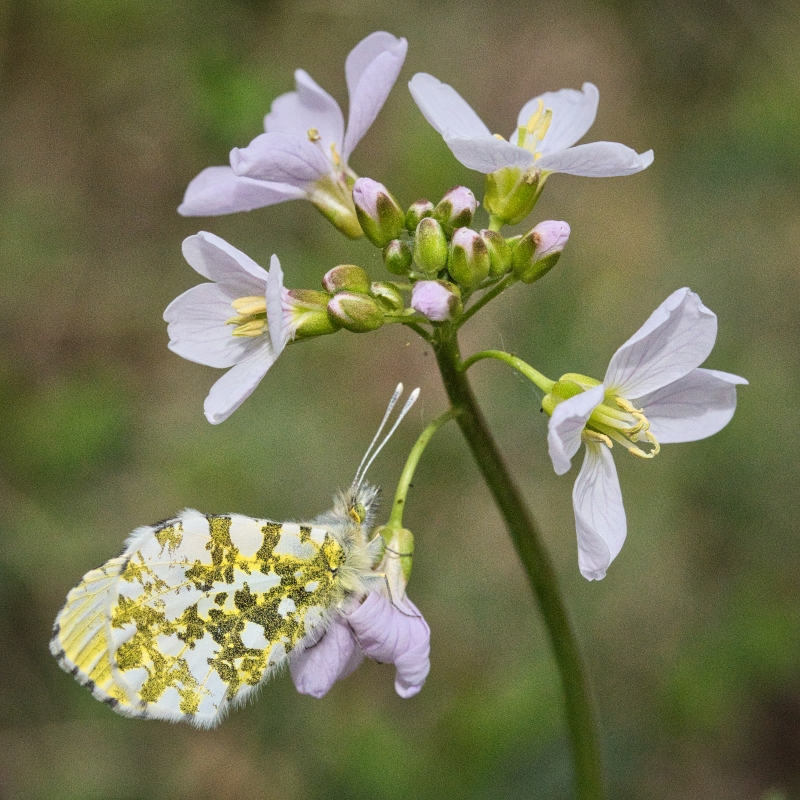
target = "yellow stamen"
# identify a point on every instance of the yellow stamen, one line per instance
(498, 136)
(595, 436)
(313, 135)
(254, 304)
(253, 328)
(534, 118)
(337, 159)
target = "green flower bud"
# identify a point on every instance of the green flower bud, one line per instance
(511, 193)
(417, 211)
(388, 296)
(397, 257)
(346, 277)
(307, 312)
(430, 246)
(499, 253)
(537, 252)
(358, 313)
(469, 258)
(380, 216)
(456, 209)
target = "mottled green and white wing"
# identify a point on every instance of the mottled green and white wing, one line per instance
(207, 608)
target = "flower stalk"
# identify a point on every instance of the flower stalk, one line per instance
(541, 573)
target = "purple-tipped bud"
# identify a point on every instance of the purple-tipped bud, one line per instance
(388, 296)
(469, 258)
(538, 251)
(397, 257)
(456, 209)
(358, 313)
(439, 301)
(417, 211)
(380, 216)
(430, 246)
(307, 313)
(499, 253)
(346, 277)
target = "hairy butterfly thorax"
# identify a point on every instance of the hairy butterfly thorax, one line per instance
(200, 610)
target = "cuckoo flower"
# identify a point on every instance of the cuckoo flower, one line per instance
(389, 633)
(653, 393)
(305, 150)
(240, 321)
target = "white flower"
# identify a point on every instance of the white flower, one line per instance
(238, 321)
(547, 128)
(652, 394)
(305, 149)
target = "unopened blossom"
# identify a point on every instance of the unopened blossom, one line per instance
(547, 129)
(238, 322)
(390, 633)
(305, 150)
(436, 300)
(652, 394)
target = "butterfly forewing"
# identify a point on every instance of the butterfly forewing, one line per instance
(201, 609)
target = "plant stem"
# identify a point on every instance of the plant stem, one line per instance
(497, 289)
(533, 375)
(541, 574)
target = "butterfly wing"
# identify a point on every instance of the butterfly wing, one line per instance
(207, 608)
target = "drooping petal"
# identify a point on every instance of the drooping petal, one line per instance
(693, 407)
(335, 656)
(197, 329)
(217, 260)
(676, 339)
(219, 190)
(573, 114)
(276, 320)
(487, 153)
(596, 160)
(371, 70)
(394, 634)
(599, 514)
(566, 425)
(281, 158)
(238, 383)
(445, 109)
(310, 106)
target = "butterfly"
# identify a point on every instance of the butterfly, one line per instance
(200, 610)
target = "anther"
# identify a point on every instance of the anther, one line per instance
(313, 135)
(595, 436)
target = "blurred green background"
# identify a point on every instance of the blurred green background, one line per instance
(110, 107)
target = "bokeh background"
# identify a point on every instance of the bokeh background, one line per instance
(109, 107)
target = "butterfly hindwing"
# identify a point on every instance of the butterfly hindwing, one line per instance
(208, 607)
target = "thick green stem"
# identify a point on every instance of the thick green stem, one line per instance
(541, 574)
(407, 475)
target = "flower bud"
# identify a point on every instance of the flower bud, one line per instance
(430, 246)
(469, 258)
(439, 301)
(346, 277)
(380, 216)
(499, 253)
(358, 313)
(456, 209)
(538, 251)
(307, 313)
(417, 211)
(397, 257)
(389, 297)
(511, 193)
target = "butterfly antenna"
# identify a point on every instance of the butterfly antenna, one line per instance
(362, 469)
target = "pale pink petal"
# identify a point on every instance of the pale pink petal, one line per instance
(217, 260)
(573, 114)
(281, 158)
(487, 153)
(394, 635)
(197, 329)
(371, 70)
(335, 656)
(445, 109)
(596, 160)
(238, 383)
(676, 338)
(276, 320)
(566, 424)
(599, 514)
(308, 107)
(696, 406)
(218, 190)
